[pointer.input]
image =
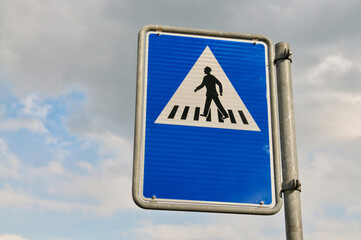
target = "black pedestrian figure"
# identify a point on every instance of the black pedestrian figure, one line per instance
(210, 82)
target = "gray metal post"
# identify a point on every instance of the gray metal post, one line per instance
(291, 184)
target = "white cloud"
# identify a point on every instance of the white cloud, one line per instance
(13, 198)
(75, 47)
(330, 201)
(15, 124)
(327, 101)
(113, 144)
(103, 188)
(328, 175)
(328, 67)
(52, 169)
(111, 193)
(331, 116)
(21, 199)
(12, 237)
(221, 227)
(60, 153)
(109, 144)
(33, 111)
(33, 107)
(335, 229)
(9, 163)
(335, 166)
(86, 166)
(51, 140)
(39, 34)
(109, 181)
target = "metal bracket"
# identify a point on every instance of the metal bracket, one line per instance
(286, 54)
(294, 184)
(159, 29)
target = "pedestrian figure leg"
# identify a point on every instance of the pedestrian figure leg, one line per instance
(220, 107)
(206, 106)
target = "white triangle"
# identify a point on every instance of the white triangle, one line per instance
(185, 97)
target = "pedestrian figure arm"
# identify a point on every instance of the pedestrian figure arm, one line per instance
(199, 87)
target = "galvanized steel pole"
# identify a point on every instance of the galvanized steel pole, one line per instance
(291, 184)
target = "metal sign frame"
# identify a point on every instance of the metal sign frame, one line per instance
(139, 128)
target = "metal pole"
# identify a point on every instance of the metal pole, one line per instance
(291, 186)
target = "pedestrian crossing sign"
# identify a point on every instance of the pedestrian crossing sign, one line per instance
(184, 106)
(203, 124)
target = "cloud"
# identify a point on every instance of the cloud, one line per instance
(327, 102)
(30, 122)
(12, 237)
(99, 184)
(61, 190)
(102, 187)
(20, 199)
(38, 45)
(329, 66)
(110, 193)
(15, 124)
(329, 116)
(110, 143)
(335, 229)
(225, 227)
(108, 182)
(317, 27)
(89, 194)
(52, 168)
(76, 48)
(86, 166)
(328, 175)
(33, 107)
(9, 163)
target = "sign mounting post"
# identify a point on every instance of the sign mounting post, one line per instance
(206, 134)
(291, 185)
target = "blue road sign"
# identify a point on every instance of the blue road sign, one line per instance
(204, 123)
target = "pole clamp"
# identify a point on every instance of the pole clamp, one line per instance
(159, 29)
(294, 184)
(286, 54)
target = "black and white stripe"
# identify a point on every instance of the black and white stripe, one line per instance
(184, 113)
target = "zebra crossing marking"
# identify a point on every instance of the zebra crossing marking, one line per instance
(196, 114)
(244, 120)
(173, 112)
(186, 114)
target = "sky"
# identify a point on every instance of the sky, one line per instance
(67, 103)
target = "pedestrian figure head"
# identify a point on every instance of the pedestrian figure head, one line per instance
(207, 70)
